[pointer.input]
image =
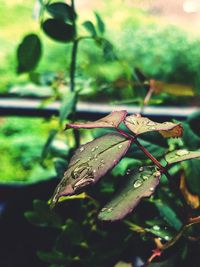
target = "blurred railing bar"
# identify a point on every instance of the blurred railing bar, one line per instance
(86, 110)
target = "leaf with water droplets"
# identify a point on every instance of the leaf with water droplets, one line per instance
(181, 155)
(140, 183)
(138, 125)
(110, 121)
(90, 162)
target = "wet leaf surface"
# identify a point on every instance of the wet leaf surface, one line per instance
(138, 125)
(181, 155)
(111, 121)
(141, 183)
(90, 162)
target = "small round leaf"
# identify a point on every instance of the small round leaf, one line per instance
(58, 30)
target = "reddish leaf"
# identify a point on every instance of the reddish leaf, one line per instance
(111, 121)
(141, 183)
(90, 162)
(181, 155)
(138, 125)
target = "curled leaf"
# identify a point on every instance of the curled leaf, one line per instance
(192, 200)
(90, 162)
(110, 121)
(181, 155)
(172, 88)
(138, 125)
(141, 183)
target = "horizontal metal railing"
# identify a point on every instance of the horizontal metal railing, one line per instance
(86, 110)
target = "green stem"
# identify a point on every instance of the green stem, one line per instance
(73, 71)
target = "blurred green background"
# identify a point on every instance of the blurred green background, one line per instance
(143, 37)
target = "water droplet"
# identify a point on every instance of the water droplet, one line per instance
(137, 183)
(167, 237)
(182, 152)
(156, 174)
(102, 161)
(152, 189)
(156, 227)
(128, 171)
(152, 128)
(96, 147)
(145, 177)
(119, 146)
(110, 209)
(104, 209)
(89, 158)
(151, 123)
(141, 169)
(94, 171)
(82, 148)
(93, 149)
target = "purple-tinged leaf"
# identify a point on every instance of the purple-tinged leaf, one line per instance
(90, 162)
(111, 121)
(138, 125)
(141, 183)
(181, 155)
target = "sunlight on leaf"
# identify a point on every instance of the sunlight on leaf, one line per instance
(139, 184)
(110, 121)
(138, 125)
(90, 162)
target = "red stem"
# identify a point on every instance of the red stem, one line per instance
(149, 155)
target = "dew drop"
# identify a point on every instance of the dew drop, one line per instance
(151, 123)
(94, 171)
(89, 158)
(152, 128)
(93, 149)
(156, 227)
(96, 147)
(182, 152)
(167, 237)
(128, 171)
(141, 169)
(110, 209)
(137, 183)
(104, 209)
(102, 161)
(82, 148)
(152, 189)
(119, 146)
(145, 177)
(156, 174)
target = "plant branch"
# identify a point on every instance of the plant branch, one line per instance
(150, 156)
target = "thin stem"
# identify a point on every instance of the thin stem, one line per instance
(149, 155)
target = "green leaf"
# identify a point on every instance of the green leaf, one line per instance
(58, 30)
(89, 26)
(138, 125)
(100, 23)
(52, 257)
(110, 121)
(123, 264)
(190, 138)
(29, 53)
(141, 183)
(67, 106)
(42, 215)
(60, 166)
(181, 155)
(194, 121)
(61, 11)
(108, 50)
(168, 215)
(124, 165)
(47, 146)
(90, 162)
(167, 263)
(192, 171)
